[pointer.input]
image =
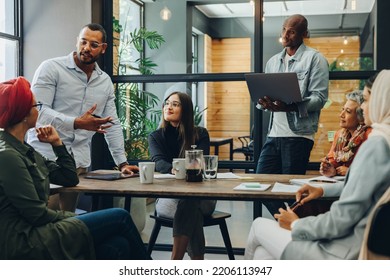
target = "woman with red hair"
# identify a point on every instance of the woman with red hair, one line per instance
(29, 230)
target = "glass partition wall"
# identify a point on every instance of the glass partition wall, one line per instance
(205, 48)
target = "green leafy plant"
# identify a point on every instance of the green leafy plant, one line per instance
(135, 106)
(198, 115)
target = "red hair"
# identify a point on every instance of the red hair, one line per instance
(15, 101)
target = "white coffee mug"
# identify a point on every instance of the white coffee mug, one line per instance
(146, 172)
(179, 165)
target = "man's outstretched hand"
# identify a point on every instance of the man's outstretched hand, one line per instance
(89, 122)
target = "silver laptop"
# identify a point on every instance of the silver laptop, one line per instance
(277, 86)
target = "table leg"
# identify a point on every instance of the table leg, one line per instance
(127, 202)
(257, 209)
(95, 202)
(96, 199)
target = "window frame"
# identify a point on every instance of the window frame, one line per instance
(17, 35)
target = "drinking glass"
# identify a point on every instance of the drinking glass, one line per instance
(210, 167)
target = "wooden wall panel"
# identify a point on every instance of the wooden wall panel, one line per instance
(228, 103)
(115, 6)
(228, 113)
(347, 56)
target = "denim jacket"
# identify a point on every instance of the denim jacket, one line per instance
(313, 77)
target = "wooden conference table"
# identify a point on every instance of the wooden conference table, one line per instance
(218, 189)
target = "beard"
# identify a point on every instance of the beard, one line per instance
(87, 59)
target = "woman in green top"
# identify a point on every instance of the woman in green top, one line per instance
(28, 229)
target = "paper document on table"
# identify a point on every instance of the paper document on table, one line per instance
(339, 178)
(319, 180)
(252, 187)
(164, 176)
(54, 186)
(227, 175)
(279, 187)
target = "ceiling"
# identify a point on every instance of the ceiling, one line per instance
(323, 16)
(288, 7)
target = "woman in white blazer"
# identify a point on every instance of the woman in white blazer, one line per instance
(337, 234)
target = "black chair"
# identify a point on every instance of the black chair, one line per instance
(378, 240)
(217, 218)
(246, 147)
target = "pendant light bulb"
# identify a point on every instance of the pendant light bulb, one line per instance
(165, 14)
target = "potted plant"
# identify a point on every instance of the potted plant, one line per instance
(135, 106)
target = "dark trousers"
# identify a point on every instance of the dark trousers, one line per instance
(283, 155)
(115, 235)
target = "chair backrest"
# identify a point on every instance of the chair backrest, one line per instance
(245, 140)
(376, 242)
(246, 145)
(252, 137)
(379, 235)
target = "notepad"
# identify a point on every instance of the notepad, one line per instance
(252, 187)
(279, 187)
(164, 176)
(108, 175)
(319, 180)
(227, 175)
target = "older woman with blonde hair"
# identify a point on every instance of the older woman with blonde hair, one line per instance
(348, 139)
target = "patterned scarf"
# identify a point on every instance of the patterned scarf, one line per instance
(348, 143)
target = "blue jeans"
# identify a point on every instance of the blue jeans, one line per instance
(283, 155)
(114, 234)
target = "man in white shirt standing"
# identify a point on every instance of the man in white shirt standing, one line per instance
(78, 100)
(292, 126)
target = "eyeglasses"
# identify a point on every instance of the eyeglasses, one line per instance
(94, 45)
(174, 104)
(38, 105)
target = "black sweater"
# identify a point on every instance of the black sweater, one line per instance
(164, 146)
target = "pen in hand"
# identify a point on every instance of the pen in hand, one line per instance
(322, 181)
(294, 205)
(99, 117)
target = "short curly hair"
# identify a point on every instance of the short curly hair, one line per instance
(357, 96)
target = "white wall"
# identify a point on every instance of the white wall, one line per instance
(51, 28)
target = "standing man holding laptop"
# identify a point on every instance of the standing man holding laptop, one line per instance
(292, 126)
